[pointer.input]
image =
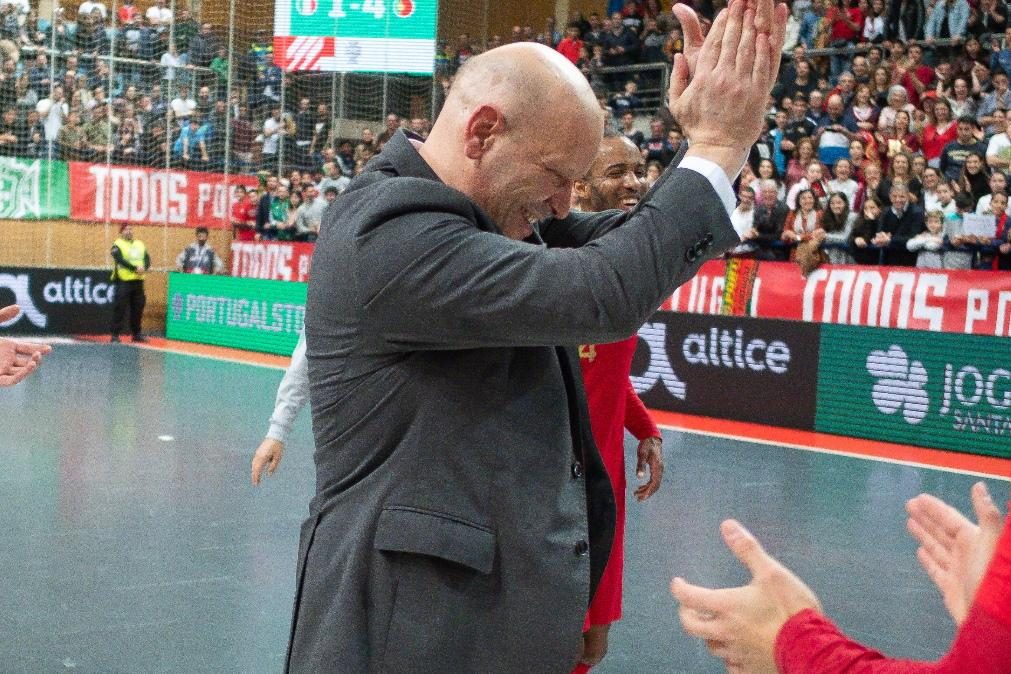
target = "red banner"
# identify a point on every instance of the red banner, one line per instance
(941, 300)
(274, 260)
(147, 196)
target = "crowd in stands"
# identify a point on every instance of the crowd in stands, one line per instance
(889, 115)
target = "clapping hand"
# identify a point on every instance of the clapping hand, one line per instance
(17, 359)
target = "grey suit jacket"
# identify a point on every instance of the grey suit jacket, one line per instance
(462, 515)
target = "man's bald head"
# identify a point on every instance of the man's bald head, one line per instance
(520, 124)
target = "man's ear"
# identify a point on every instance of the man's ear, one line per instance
(484, 124)
(581, 188)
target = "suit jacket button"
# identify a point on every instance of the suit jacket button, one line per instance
(710, 238)
(582, 548)
(577, 470)
(691, 255)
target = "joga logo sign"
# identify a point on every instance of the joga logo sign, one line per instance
(939, 390)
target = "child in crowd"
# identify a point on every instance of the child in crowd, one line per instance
(929, 245)
(955, 234)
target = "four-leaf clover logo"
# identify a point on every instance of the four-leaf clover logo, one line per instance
(901, 384)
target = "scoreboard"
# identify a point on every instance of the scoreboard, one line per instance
(379, 36)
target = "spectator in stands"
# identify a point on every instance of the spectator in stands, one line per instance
(949, 19)
(9, 133)
(814, 182)
(1001, 57)
(1002, 243)
(243, 136)
(992, 19)
(89, 6)
(205, 103)
(572, 45)
(310, 214)
(200, 257)
(183, 105)
(798, 165)
(837, 222)
(862, 113)
(70, 140)
(392, 125)
(621, 45)
(264, 208)
(845, 21)
(629, 131)
(842, 181)
(954, 154)
(929, 245)
(804, 81)
(742, 220)
(333, 178)
(898, 224)
(657, 147)
(998, 183)
(800, 125)
(627, 99)
(53, 110)
(898, 99)
(832, 134)
(653, 172)
(900, 170)
(998, 99)
(864, 230)
(190, 147)
(938, 132)
(975, 177)
(946, 200)
(874, 28)
(804, 222)
(767, 171)
(273, 132)
(170, 62)
(960, 253)
(155, 144)
(769, 219)
(244, 205)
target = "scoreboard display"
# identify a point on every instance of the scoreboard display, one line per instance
(378, 36)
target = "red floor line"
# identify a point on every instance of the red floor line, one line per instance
(939, 458)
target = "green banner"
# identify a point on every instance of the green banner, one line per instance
(251, 314)
(920, 388)
(383, 19)
(33, 189)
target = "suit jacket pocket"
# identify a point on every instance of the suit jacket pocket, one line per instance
(434, 534)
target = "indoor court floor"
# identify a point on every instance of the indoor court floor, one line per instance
(134, 541)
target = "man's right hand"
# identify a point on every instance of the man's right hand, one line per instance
(267, 456)
(718, 91)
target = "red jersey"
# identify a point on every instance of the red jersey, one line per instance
(935, 140)
(570, 49)
(614, 406)
(809, 643)
(244, 220)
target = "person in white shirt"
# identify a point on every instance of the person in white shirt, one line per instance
(272, 130)
(292, 395)
(158, 15)
(843, 181)
(183, 105)
(998, 150)
(928, 245)
(170, 60)
(53, 110)
(998, 183)
(931, 181)
(742, 220)
(946, 200)
(813, 181)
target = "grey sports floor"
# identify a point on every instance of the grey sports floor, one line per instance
(123, 552)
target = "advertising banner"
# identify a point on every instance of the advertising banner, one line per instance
(251, 314)
(33, 189)
(145, 196)
(274, 260)
(729, 367)
(939, 300)
(57, 301)
(919, 388)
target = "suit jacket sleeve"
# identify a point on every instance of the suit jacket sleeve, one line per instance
(433, 280)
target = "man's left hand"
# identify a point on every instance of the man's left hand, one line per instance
(650, 454)
(17, 359)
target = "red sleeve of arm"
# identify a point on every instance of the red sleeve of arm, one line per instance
(637, 418)
(810, 643)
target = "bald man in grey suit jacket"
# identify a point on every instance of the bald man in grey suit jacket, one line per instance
(462, 516)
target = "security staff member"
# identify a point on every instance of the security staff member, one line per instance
(130, 261)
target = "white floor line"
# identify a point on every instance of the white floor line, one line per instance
(822, 450)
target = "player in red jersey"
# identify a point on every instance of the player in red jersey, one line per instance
(616, 180)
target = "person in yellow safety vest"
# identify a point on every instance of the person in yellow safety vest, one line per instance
(130, 261)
